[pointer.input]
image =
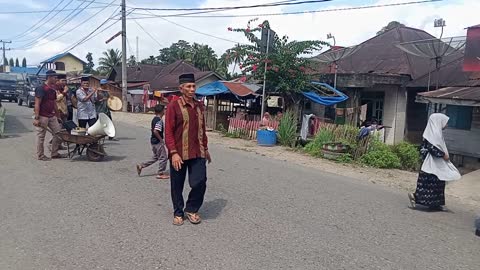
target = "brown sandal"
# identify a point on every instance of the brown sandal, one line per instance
(163, 176)
(139, 169)
(177, 221)
(194, 218)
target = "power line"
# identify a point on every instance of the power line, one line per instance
(146, 32)
(37, 23)
(147, 16)
(185, 27)
(202, 33)
(45, 11)
(90, 35)
(57, 26)
(283, 3)
(71, 29)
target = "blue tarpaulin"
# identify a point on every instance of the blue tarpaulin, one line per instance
(325, 100)
(212, 89)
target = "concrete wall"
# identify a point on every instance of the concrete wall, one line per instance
(71, 64)
(394, 111)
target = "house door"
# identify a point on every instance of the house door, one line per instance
(374, 101)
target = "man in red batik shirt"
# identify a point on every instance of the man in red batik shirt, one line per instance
(186, 141)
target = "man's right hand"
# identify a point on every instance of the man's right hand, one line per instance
(177, 161)
(36, 123)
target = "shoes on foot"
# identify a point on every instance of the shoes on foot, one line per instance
(177, 220)
(411, 197)
(139, 169)
(59, 156)
(44, 158)
(163, 176)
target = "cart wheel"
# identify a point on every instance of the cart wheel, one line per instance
(92, 152)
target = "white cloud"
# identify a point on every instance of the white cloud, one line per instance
(349, 27)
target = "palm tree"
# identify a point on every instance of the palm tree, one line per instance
(110, 59)
(235, 56)
(204, 57)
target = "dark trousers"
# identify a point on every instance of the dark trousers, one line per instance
(197, 178)
(83, 122)
(70, 113)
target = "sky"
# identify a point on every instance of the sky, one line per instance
(39, 41)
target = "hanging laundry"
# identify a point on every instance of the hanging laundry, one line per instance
(363, 112)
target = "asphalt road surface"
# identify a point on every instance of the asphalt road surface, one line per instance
(258, 214)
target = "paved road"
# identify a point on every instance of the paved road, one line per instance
(259, 214)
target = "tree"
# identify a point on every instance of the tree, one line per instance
(235, 56)
(17, 64)
(24, 62)
(11, 62)
(110, 59)
(132, 61)
(203, 57)
(181, 50)
(89, 66)
(151, 60)
(389, 26)
(285, 69)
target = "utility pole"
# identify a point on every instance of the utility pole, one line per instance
(265, 74)
(5, 63)
(124, 57)
(138, 59)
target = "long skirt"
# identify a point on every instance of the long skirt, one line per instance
(430, 190)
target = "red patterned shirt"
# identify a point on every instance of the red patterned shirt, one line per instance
(185, 129)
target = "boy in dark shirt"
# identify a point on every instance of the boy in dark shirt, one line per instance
(158, 145)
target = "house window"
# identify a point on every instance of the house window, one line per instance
(59, 66)
(460, 117)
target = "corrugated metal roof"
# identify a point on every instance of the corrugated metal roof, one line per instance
(457, 93)
(161, 77)
(239, 89)
(379, 55)
(26, 70)
(450, 74)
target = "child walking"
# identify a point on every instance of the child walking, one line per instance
(158, 145)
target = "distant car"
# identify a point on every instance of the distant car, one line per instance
(26, 93)
(8, 87)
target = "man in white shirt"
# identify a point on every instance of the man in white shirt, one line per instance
(86, 97)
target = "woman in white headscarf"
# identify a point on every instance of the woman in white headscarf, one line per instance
(436, 167)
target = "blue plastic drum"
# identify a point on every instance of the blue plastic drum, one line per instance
(266, 137)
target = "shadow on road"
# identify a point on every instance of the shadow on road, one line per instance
(124, 139)
(114, 158)
(14, 126)
(213, 209)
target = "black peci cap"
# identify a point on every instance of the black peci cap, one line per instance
(186, 78)
(50, 73)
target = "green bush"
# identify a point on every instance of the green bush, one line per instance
(222, 129)
(323, 136)
(380, 155)
(287, 130)
(345, 158)
(384, 159)
(409, 155)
